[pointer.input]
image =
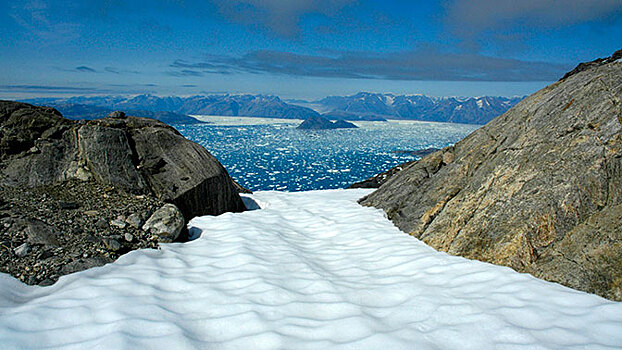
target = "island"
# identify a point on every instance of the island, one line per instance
(321, 123)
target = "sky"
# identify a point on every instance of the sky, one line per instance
(298, 49)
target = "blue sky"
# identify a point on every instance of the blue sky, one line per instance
(298, 49)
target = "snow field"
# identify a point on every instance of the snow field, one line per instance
(309, 270)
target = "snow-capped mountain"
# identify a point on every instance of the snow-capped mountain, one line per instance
(362, 106)
(225, 105)
(365, 105)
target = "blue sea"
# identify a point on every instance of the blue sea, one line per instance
(271, 154)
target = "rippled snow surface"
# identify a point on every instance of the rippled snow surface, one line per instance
(311, 270)
(269, 154)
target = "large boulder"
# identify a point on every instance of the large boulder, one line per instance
(78, 194)
(165, 224)
(140, 155)
(538, 189)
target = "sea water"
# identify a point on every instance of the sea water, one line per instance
(271, 154)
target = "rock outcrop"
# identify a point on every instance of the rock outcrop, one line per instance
(78, 194)
(538, 189)
(595, 63)
(321, 123)
(143, 156)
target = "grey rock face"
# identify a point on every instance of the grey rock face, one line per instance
(166, 223)
(183, 172)
(139, 155)
(538, 189)
(77, 192)
(107, 154)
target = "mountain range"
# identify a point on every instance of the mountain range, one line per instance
(222, 105)
(374, 106)
(361, 106)
(77, 111)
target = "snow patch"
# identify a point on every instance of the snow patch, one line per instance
(310, 270)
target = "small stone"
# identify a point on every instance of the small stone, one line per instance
(135, 220)
(68, 205)
(129, 237)
(101, 223)
(22, 250)
(40, 233)
(112, 244)
(91, 213)
(118, 223)
(46, 254)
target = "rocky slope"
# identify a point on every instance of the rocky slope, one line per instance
(86, 184)
(538, 189)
